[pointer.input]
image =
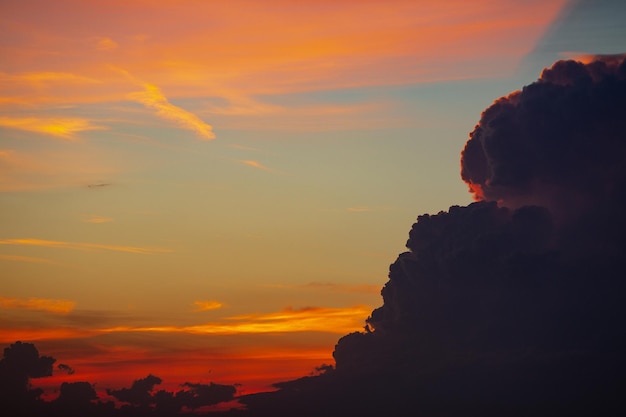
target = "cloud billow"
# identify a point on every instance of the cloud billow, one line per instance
(515, 304)
(557, 142)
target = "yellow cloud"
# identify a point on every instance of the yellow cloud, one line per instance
(152, 98)
(81, 246)
(64, 128)
(289, 320)
(207, 305)
(41, 304)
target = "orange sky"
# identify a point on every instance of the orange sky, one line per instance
(194, 185)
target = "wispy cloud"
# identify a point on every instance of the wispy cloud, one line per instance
(207, 305)
(81, 246)
(255, 164)
(41, 304)
(97, 219)
(329, 320)
(105, 44)
(153, 98)
(309, 319)
(64, 128)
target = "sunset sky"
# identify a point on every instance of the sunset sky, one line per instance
(214, 191)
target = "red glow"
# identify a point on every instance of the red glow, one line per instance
(255, 370)
(477, 190)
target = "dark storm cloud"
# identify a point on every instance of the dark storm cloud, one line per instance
(514, 305)
(558, 142)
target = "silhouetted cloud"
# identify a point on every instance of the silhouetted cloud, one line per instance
(193, 395)
(513, 305)
(558, 142)
(65, 368)
(139, 393)
(20, 363)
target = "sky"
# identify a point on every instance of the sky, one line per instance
(214, 191)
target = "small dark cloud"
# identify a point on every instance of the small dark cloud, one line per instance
(99, 185)
(65, 368)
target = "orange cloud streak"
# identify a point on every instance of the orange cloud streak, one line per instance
(255, 164)
(207, 305)
(64, 128)
(152, 98)
(41, 304)
(311, 319)
(81, 246)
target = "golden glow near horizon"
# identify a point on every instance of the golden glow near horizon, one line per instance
(181, 171)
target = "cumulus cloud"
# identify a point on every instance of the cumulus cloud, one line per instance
(153, 98)
(513, 305)
(557, 142)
